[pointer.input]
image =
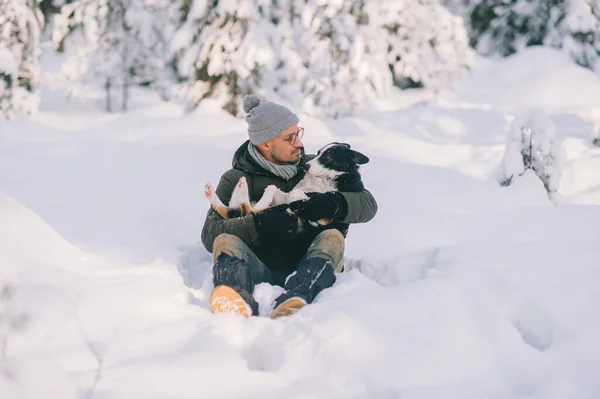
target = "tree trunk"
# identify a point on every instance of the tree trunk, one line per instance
(107, 86)
(125, 63)
(125, 80)
(125, 92)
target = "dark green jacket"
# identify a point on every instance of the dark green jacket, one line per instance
(282, 256)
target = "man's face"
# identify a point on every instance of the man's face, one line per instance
(285, 148)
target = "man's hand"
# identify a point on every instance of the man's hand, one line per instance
(331, 205)
(276, 223)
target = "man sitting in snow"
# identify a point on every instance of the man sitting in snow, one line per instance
(266, 247)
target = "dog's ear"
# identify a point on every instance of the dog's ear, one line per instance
(334, 143)
(359, 158)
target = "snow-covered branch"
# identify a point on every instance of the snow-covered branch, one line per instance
(531, 145)
(20, 24)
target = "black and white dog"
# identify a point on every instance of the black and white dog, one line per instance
(335, 168)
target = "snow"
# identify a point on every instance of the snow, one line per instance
(458, 288)
(535, 77)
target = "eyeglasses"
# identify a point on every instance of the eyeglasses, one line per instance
(295, 136)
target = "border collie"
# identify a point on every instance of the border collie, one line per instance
(335, 168)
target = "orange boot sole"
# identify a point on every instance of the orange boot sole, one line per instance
(288, 307)
(226, 299)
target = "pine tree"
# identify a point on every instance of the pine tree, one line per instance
(582, 33)
(8, 77)
(328, 56)
(222, 50)
(49, 8)
(335, 81)
(20, 24)
(117, 42)
(360, 49)
(282, 79)
(531, 145)
(427, 44)
(507, 26)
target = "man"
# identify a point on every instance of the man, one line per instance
(267, 247)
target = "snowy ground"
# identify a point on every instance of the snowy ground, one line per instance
(459, 288)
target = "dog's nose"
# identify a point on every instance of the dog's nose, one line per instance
(305, 167)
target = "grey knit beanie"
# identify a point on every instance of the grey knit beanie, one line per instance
(266, 120)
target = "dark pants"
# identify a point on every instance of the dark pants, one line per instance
(235, 265)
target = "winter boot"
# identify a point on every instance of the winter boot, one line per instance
(226, 299)
(312, 276)
(288, 307)
(233, 286)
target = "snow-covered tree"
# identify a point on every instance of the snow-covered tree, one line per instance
(531, 145)
(282, 79)
(427, 44)
(340, 46)
(582, 33)
(357, 50)
(361, 48)
(117, 42)
(328, 56)
(49, 8)
(223, 48)
(20, 23)
(505, 27)
(596, 135)
(8, 79)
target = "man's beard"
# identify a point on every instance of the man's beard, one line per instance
(287, 162)
(282, 162)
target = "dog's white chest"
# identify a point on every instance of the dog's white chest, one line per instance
(319, 184)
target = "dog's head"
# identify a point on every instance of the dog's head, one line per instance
(335, 159)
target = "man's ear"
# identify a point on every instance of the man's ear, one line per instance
(263, 146)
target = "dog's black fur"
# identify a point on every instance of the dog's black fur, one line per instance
(341, 158)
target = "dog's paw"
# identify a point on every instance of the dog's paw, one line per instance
(208, 191)
(241, 190)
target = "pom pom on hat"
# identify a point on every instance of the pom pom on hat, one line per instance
(251, 101)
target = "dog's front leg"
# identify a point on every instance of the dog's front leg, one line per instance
(280, 197)
(267, 198)
(240, 198)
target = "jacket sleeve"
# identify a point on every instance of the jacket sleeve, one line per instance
(214, 225)
(362, 206)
